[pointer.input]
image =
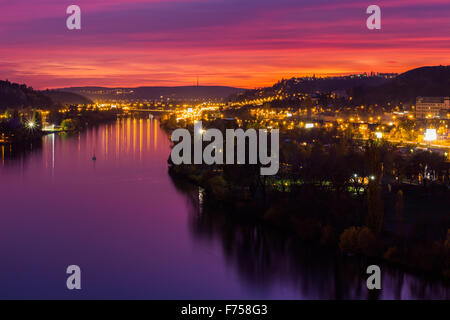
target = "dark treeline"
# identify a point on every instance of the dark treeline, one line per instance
(20, 127)
(371, 91)
(16, 96)
(425, 81)
(23, 110)
(76, 118)
(13, 95)
(364, 198)
(265, 256)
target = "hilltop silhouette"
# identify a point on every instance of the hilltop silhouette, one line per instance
(154, 93)
(14, 95)
(424, 81)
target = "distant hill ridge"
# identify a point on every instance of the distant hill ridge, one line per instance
(181, 92)
(405, 88)
(309, 85)
(66, 98)
(432, 81)
(13, 95)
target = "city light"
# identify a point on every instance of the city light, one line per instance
(30, 124)
(379, 135)
(430, 135)
(309, 125)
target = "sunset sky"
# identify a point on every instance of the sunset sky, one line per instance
(244, 43)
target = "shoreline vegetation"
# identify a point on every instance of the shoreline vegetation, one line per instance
(353, 197)
(20, 128)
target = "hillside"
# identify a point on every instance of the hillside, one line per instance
(13, 95)
(66, 98)
(155, 93)
(424, 81)
(289, 87)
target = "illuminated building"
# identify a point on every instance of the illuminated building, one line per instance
(432, 107)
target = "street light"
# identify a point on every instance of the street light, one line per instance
(430, 135)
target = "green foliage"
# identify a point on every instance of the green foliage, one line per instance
(69, 125)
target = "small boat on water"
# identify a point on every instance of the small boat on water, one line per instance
(94, 158)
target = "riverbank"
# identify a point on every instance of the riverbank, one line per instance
(76, 119)
(18, 130)
(327, 205)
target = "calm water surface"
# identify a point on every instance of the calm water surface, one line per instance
(135, 235)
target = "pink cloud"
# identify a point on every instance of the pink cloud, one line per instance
(245, 43)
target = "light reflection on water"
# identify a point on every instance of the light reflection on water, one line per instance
(136, 234)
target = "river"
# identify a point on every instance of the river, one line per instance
(135, 235)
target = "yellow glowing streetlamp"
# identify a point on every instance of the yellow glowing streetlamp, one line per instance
(430, 135)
